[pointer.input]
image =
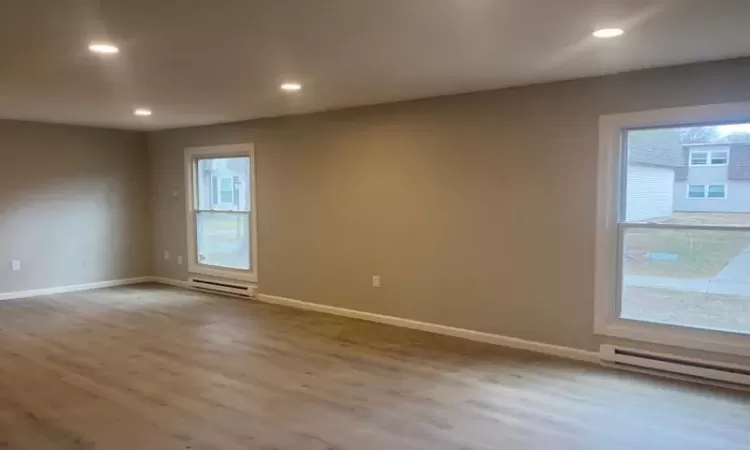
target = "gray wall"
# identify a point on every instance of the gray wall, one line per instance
(478, 211)
(74, 205)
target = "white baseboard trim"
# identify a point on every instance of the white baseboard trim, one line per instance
(505, 341)
(478, 336)
(72, 288)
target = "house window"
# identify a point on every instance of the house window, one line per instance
(707, 191)
(709, 158)
(698, 158)
(221, 216)
(669, 269)
(697, 191)
(227, 190)
(717, 191)
(719, 158)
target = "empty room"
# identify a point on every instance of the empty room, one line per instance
(375, 224)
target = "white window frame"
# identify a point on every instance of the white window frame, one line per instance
(610, 181)
(220, 151)
(705, 191)
(709, 157)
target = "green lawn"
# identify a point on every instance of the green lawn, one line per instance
(699, 253)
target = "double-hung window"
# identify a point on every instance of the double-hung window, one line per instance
(707, 191)
(719, 158)
(673, 249)
(221, 211)
(700, 157)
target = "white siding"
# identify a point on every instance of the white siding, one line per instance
(650, 192)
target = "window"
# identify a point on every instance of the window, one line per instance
(698, 158)
(221, 213)
(669, 269)
(696, 191)
(709, 158)
(719, 158)
(227, 190)
(707, 191)
(717, 191)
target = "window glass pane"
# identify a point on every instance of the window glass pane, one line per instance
(716, 191)
(227, 191)
(693, 278)
(698, 158)
(660, 184)
(224, 240)
(719, 158)
(237, 187)
(215, 184)
(696, 191)
(214, 191)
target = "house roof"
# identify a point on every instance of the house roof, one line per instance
(655, 147)
(717, 144)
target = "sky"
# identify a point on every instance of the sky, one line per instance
(737, 128)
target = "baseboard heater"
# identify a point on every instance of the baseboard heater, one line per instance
(693, 368)
(225, 287)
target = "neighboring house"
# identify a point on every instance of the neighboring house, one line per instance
(715, 178)
(653, 157)
(224, 180)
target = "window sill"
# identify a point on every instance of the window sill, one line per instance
(730, 343)
(229, 274)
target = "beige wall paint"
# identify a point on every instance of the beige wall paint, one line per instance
(478, 211)
(74, 205)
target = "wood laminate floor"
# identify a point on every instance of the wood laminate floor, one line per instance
(151, 367)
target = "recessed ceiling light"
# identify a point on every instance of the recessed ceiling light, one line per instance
(608, 33)
(100, 47)
(145, 112)
(291, 87)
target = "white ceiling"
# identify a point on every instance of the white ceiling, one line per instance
(206, 61)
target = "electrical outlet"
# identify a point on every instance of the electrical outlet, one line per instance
(15, 265)
(376, 281)
(166, 254)
(179, 260)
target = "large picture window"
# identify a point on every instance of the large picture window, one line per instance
(673, 247)
(221, 211)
